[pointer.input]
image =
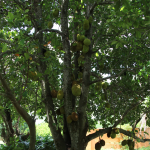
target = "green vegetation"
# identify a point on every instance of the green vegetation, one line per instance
(69, 61)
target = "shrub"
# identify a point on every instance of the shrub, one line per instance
(42, 143)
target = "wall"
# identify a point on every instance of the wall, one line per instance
(114, 143)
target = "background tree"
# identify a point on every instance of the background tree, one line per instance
(114, 42)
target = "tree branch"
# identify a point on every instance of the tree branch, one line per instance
(127, 111)
(100, 3)
(104, 131)
(108, 77)
(50, 30)
(6, 41)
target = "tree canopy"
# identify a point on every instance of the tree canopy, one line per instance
(62, 73)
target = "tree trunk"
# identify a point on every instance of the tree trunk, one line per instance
(28, 119)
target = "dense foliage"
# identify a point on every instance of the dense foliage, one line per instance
(96, 63)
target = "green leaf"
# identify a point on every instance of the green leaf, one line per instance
(26, 55)
(138, 34)
(114, 42)
(146, 133)
(117, 45)
(96, 54)
(4, 47)
(122, 8)
(21, 42)
(22, 67)
(147, 23)
(26, 10)
(11, 16)
(1, 107)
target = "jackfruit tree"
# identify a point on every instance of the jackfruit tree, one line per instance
(77, 63)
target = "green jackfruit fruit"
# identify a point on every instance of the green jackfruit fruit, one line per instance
(56, 12)
(124, 142)
(107, 105)
(86, 24)
(50, 24)
(78, 37)
(69, 119)
(98, 86)
(87, 42)
(82, 37)
(60, 94)
(80, 75)
(90, 19)
(104, 85)
(74, 46)
(76, 90)
(81, 60)
(79, 46)
(85, 49)
(33, 75)
(101, 66)
(47, 54)
(62, 110)
(113, 135)
(103, 97)
(60, 47)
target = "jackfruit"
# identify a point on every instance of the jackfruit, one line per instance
(60, 47)
(82, 37)
(47, 54)
(54, 93)
(72, 77)
(98, 146)
(79, 46)
(81, 60)
(78, 37)
(56, 12)
(102, 142)
(90, 19)
(104, 85)
(74, 82)
(74, 46)
(86, 24)
(87, 42)
(60, 94)
(85, 49)
(33, 75)
(108, 134)
(101, 66)
(124, 142)
(62, 110)
(69, 119)
(113, 135)
(80, 75)
(76, 90)
(50, 24)
(98, 86)
(74, 116)
(103, 96)
(107, 105)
